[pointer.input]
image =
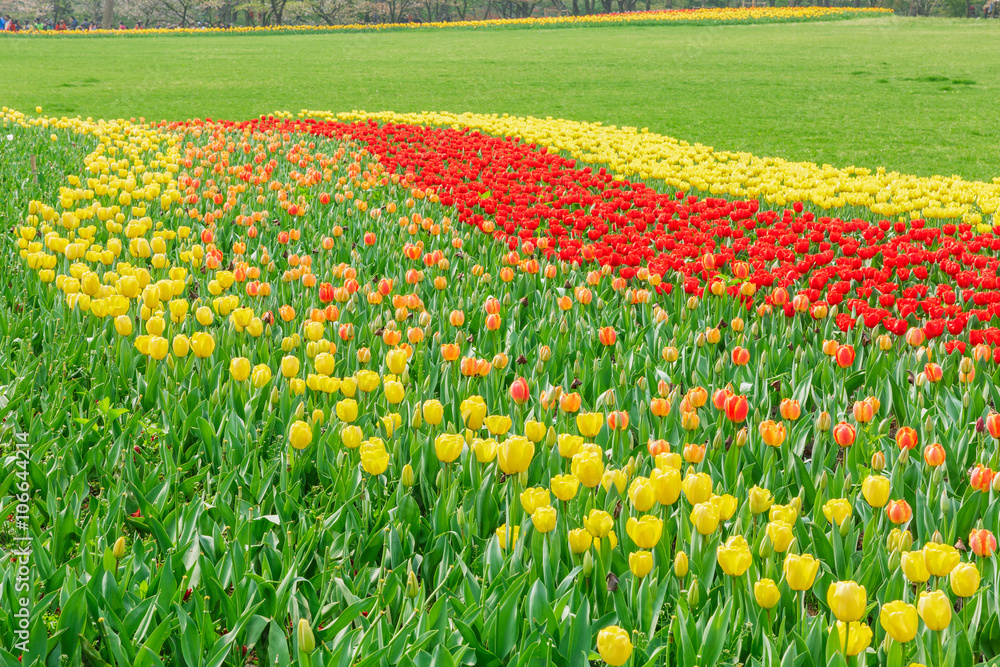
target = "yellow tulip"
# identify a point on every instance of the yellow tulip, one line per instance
(534, 497)
(300, 435)
(780, 534)
(666, 485)
(588, 467)
(260, 376)
(515, 454)
(614, 645)
(941, 559)
(766, 593)
(374, 457)
(347, 410)
(641, 494)
(875, 489)
(965, 580)
(544, 518)
(564, 487)
(433, 412)
(589, 423)
(640, 563)
(935, 610)
(734, 556)
(598, 523)
(760, 500)
(705, 518)
(800, 571)
(645, 532)
(847, 600)
(899, 620)
(498, 424)
(290, 366)
(579, 540)
(351, 437)
(448, 446)
(485, 450)
(837, 510)
(915, 567)
(697, 487)
(853, 638)
(534, 431)
(502, 537)
(239, 368)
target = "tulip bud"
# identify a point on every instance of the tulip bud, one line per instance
(275, 396)
(980, 425)
(307, 642)
(681, 565)
(641, 383)
(300, 411)
(793, 546)
(588, 564)
(965, 399)
(904, 456)
(845, 527)
(700, 340)
(894, 560)
(439, 480)
(937, 537)
(407, 476)
(921, 380)
(718, 366)
(523, 479)
(945, 502)
(824, 422)
(693, 595)
(563, 327)
(717, 441)
(878, 461)
(905, 541)
(551, 438)
(741, 438)
(766, 548)
(823, 481)
(412, 587)
(928, 424)
(460, 517)
(966, 365)
(119, 549)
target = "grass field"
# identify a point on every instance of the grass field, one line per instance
(908, 94)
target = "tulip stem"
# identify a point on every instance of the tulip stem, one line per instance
(940, 648)
(802, 613)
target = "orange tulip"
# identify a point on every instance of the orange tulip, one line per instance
(934, 455)
(906, 438)
(844, 434)
(898, 511)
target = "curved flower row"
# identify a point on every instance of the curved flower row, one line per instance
(713, 16)
(631, 152)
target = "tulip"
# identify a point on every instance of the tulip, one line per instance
(645, 532)
(564, 487)
(448, 446)
(640, 563)
(519, 391)
(614, 645)
(589, 423)
(899, 620)
(304, 635)
(485, 450)
(734, 556)
(737, 408)
(899, 511)
(588, 467)
(694, 453)
(787, 513)
(941, 559)
(515, 454)
(992, 423)
(579, 540)
(780, 534)
(982, 542)
(347, 410)
(772, 434)
(965, 580)
(915, 567)
(544, 518)
(843, 434)
(290, 366)
(760, 500)
(499, 425)
(502, 538)
(534, 431)
(300, 435)
(837, 510)
(239, 369)
(666, 485)
(789, 409)
(533, 498)
(854, 638)
(906, 438)
(681, 565)
(433, 412)
(934, 455)
(123, 325)
(473, 411)
(875, 489)
(406, 478)
(845, 356)
(705, 518)
(641, 494)
(394, 392)
(800, 571)
(118, 551)
(766, 593)
(725, 504)
(374, 457)
(935, 610)
(697, 487)
(933, 372)
(847, 600)
(598, 523)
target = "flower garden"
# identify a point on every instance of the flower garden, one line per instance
(439, 389)
(703, 16)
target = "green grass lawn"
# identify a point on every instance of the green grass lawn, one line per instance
(917, 95)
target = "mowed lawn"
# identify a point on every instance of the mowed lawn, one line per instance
(915, 95)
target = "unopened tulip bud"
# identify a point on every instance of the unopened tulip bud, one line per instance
(718, 366)
(894, 560)
(306, 640)
(681, 565)
(693, 595)
(275, 396)
(300, 411)
(921, 380)
(412, 587)
(717, 441)
(793, 546)
(119, 549)
(937, 537)
(980, 425)
(995, 484)
(945, 503)
(741, 438)
(823, 481)
(766, 548)
(878, 461)
(416, 420)
(641, 383)
(905, 541)
(407, 476)
(523, 479)
(928, 424)
(824, 421)
(439, 480)
(966, 365)
(904, 456)
(460, 517)
(588, 564)
(564, 327)
(700, 340)
(845, 527)
(965, 399)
